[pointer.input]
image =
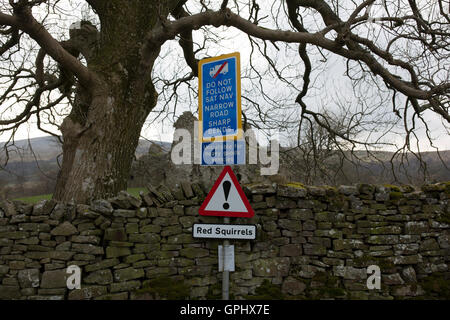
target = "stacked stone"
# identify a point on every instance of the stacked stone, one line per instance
(37, 244)
(317, 242)
(312, 242)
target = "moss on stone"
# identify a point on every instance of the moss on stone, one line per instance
(211, 294)
(332, 292)
(366, 260)
(446, 187)
(262, 235)
(294, 184)
(266, 291)
(338, 202)
(331, 286)
(436, 285)
(407, 188)
(251, 184)
(215, 292)
(437, 187)
(395, 195)
(327, 279)
(320, 277)
(393, 187)
(331, 191)
(165, 288)
(444, 218)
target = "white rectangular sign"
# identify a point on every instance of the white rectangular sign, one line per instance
(224, 231)
(226, 258)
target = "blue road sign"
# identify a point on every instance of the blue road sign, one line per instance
(220, 97)
(223, 152)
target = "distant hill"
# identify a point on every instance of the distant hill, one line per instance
(408, 168)
(32, 165)
(42, 148)
(48, 148)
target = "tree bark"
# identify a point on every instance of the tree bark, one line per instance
(102, 132)
(97, 154)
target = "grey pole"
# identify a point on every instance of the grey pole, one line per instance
(226, 273)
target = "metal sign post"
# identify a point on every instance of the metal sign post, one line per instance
(226, 273)
(226, 198)
(221, 135)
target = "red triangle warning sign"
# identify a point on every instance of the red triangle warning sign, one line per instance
(226, 198)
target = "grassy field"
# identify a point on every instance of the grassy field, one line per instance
(35, 199)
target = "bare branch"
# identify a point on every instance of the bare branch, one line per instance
(24, 21)
(227, 18)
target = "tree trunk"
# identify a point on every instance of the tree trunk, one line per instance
(102, 132)
(98, 152)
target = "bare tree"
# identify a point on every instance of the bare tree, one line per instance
(102, 79)
(318, 155)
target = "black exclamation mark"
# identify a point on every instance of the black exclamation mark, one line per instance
(226, 190)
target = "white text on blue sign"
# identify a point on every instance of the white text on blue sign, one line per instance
(220, 104)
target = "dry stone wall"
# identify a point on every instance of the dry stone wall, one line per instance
(312, 243)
